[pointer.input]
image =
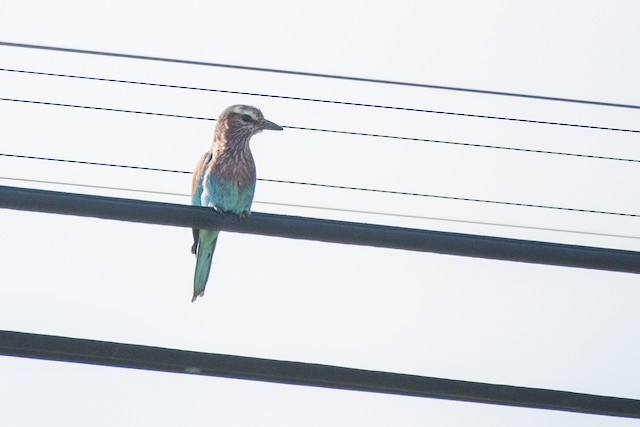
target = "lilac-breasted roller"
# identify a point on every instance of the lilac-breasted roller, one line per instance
(225, 179)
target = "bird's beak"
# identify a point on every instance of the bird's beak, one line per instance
(266, 124)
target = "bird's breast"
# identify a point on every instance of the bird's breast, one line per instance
(240, 170)
(230, 184)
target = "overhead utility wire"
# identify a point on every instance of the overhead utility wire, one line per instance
(311, 74)
(295, 98)
(84, 162)
(497, 248)
(343, 187)
(327, 208)
(340, 132)
(117, 110)
(465, 144)
(461, 199)
(159, 359)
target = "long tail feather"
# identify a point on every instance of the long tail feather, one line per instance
(206, 245)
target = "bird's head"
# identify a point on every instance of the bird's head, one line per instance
(243, 121)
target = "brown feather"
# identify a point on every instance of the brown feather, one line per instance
(202, 165)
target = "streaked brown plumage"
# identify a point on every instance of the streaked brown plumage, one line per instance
(225, 179)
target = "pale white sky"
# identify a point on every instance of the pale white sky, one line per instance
(424, 314)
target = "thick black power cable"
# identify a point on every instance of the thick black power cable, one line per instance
(293, 227)
(327, 208)
(133, 356)
(295, 98)
(339, 187)
(310, 74)
(341, 132)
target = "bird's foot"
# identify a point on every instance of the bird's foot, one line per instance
(242, 214)
(222, 212)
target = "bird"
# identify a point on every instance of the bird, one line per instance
(225, 179)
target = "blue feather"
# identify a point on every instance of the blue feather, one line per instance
(225, 179)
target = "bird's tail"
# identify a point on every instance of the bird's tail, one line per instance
(206, 246)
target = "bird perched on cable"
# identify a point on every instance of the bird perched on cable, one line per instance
(225, 179)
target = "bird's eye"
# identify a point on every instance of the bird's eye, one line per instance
(246, 118)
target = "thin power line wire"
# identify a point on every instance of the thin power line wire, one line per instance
(332, 209)
(462, 199)
(295, 98)
(116, 110)
(312, 74)
(84, 162)
(332, 131)
(342, 187)
(465, 144)
(100, 187)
